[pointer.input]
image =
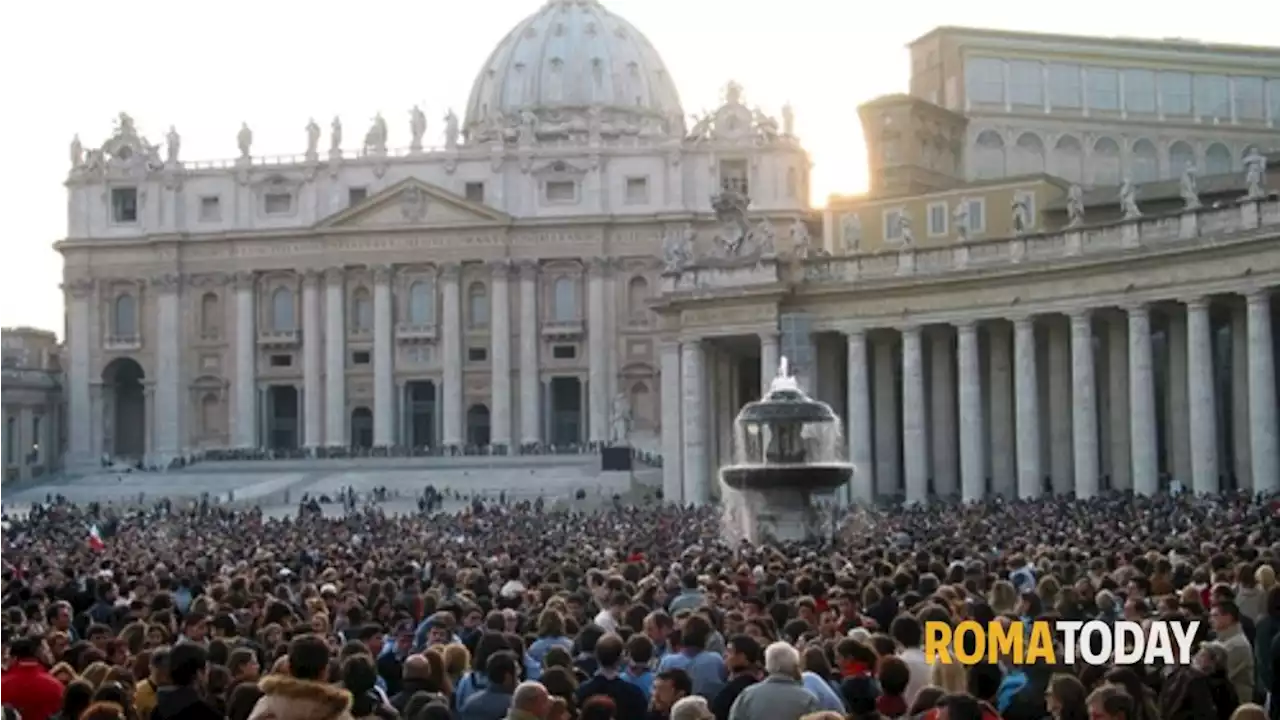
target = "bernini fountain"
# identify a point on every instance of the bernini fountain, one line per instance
(787, 455)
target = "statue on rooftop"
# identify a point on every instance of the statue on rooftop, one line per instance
(313, 137)
(335, 135)
(788, 121)
(851, 231)
(1189, 187)
(960, 218)
(375, 141)
(1129, 200)
(1075, 206)
(245, 139)
(172, 143)
(1021, 217)
(450, 130)
(908, 237)
(1255, 174)
(77, 153)
(417, 128)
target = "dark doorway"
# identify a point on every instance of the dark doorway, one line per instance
(362, 428)
(421, 407)
(123, 378)
(282, 417)
(566, 411)
(749, 382)
(478, 425)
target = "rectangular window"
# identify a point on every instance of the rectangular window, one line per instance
(977, 216)
(1064, 86)
(124, 205)
(356, 195)
(637, 190)
(360, 357)
(1140, 91)
(564, 352)
(475, 192)
(561, 191)
(210, 209)
(984, 80)
(477, 354)
(1213, 97)
(937, 219)
(1273, 102)
(1103, 85)
(282, 361)
(1026, 83)
(1175, 93)
(277, 203)
(1249, 99)
(892, 225)
(733, 176)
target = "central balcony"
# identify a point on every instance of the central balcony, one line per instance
(416, 332)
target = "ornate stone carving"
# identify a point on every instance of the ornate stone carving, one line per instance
(1189, 188)
(375, 141)
(501, 268)
(1255, 174)
(451, 130)
(381, 273)
(313, 139)
(413, 204)
(450, 271)
(764, 239)
(244, 280)
(731, 211)
(417, 128)
(528, 269)
(908, 236)
(208, 280)
(621, 417)
(335, 275)
(335, 137)
(77, 153)
(677, 248)
(1020, 216)
(166, 282)
(799, 234)
(244, 139)
(528, 128)
(851, 231)
(80, 288)
(1129, 200)
(1075, 206)
(312, 276)
(960, 219)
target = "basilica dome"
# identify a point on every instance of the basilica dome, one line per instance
(570, 59)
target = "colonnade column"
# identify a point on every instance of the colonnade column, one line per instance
(384, 428)
(915, 463)
(451, 354)
(244, 396)
(972, 460)
(886, 414)
(1262, 394)
(942, 409)
(1084, 406)
(1118, 403)
(1201, 398)
(312, 357)
(529, 340)
(1142, 402)
(1060, 413)
(768, 360)
(672, 428)
(80, 405)
(500, 357)
(1027, 407)
(168, 395)
(693, 409)
(1000, 367)
(335, 359)
(859, 411)
(597, 383)
(1242, 454)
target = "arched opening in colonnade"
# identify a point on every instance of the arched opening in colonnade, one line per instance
(125, 436)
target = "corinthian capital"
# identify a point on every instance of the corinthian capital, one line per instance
(166, 282)
(79, 288)
(381, 273)
(244, 280)
(450, 271)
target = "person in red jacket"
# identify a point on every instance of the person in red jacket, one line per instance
(27, 686)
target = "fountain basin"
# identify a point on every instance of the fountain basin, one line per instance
(817, 477)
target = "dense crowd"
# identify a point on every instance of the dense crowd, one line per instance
(631, 613)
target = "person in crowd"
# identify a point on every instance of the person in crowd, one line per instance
(1067, 699)
(1110, 702)
(744, 659)
(493, 702)
(628, 700)
(27, 686)
(183, 698)
(1225, 619)
(706, 668)
(303, 692)
(780, 694)
(691, 708)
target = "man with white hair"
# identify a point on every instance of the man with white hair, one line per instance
(693, 707)
(781, 695)
(530, 701)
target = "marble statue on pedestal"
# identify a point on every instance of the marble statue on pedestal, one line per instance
(1189, 187)
(1255, 174)
(173, 143)
(417, 127)
(245, 140)
(851, 231)
(335, 135)
(908, 237)
(677, 249)
(1021, 217)
(960, 219)
(450, 130)
(528, 128)
(764, 239)
(77, 153)
(1129, 200)
(375, 141)
(799, 236)
(621, 418)
(1075, 206)
(788, 121)
(313, 137)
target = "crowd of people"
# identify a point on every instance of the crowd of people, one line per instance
(520, 612)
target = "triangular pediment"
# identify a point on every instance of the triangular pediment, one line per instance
(413, 203)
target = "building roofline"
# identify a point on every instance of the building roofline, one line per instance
(1182, 44)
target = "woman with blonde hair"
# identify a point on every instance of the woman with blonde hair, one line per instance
(457, 661)
(64, 673)
(1003, 598)
(951, 677)
(96, 673)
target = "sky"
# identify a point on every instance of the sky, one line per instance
(71, 66)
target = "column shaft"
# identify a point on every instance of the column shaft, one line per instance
(942, 410)
(500, 357)
(672, 428)
(1262, 395)
(915, 463)
(80, 405)
(384, 380)
(1118, 403)
(530, 385)
(1060, 415)
(597, 385)
(768, 360)
(1000, 367)
(972, 460)
(335, 360)
(1084, 408)
(1176, 400)
(1201, 397)
(693, 408)
(886, 428)
(1142, 402)
(244, 398)
(312, 362)
(1027, 404)
(451, 354)
(859, 389)
(168, 396)
(1242, 455)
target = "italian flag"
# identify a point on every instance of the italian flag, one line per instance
(95, 539)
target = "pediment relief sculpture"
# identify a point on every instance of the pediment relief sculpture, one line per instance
(412, 203)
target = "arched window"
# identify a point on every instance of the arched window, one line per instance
(1217, 160)
(1144, 163)
(422, 306)
(282, 319)
(988, 156)
(637, 299)
(209, 407)
(477, 305)
(210, 316)
(1068, 159)
(1106, 162)
(641, 407)
(125, 316)
(1028, 156)
(564, 301)
(1180, 155)
(361, 311)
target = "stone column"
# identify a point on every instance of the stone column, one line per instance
(1118, 403)
(168, 399)
(1000, 367)
(1142, 402)
(886, 422)
(859, 390)
(1240, 450)
(1084, 406)
(1203, 408)
(672, 429)
(973, 462)
(451, 354)
(80, 405)
(597, 348)
(1177, 403)
(530, 384)
(244, 398)
(335, 359)
(693, 408)
(384, 378)
(768, 360)
(1262, 393)
(23, 442)
(915, 463)
(312, 362)
(1027, 407)
(1060, 415)
(942, 411)
(500, 357)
